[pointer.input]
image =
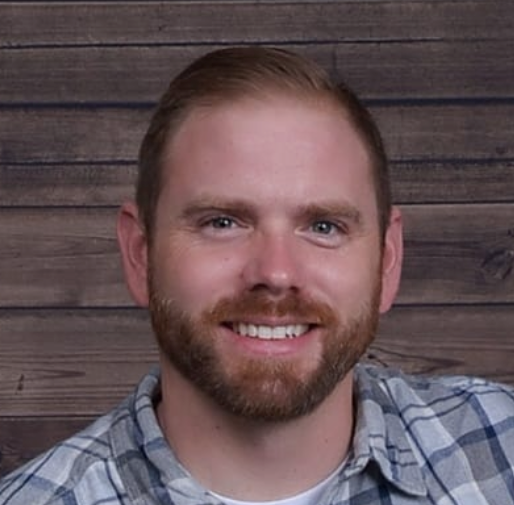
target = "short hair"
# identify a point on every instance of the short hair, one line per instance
(227, 74)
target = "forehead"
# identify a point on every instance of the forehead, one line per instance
(307, 146)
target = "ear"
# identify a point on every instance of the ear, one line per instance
(392, 260)
(134, 252)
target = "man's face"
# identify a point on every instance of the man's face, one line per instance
(265, 266)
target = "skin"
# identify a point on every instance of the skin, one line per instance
(272, 195)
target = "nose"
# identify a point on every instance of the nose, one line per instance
(273, 264)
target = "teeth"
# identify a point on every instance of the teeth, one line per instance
(270, 332)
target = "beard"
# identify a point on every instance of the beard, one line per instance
(263, 388)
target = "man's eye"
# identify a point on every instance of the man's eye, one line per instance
(221, 222)
(324, 227)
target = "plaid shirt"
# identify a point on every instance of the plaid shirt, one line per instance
(445, 441)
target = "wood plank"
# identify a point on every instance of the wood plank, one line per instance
(452, 181)
(399, 71)
(448, 340)
(81, 363)
(106, 135)
(458, 254)
(423, 70)
(67, 185)
(56, 135)
(69, 257)
(453, 131)
(99, 23)
(22, 439)
(455, 181)
(71, 363)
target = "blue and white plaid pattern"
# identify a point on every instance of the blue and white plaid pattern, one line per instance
(444, 441)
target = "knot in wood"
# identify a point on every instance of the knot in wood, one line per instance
(498, 265)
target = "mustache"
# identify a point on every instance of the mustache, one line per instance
(259, 304)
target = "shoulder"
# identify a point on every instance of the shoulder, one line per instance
(441, 395)
(82, 461)
(440, 392)
(86, 468)
(462, 409)
(459, 431)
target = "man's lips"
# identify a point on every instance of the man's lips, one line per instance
(268, 331)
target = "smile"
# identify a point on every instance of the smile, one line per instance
(266, 332)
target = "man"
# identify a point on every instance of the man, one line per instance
(264, 243)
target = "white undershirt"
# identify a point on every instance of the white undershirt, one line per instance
(309, 497)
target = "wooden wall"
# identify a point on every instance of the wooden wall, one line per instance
(78, 81)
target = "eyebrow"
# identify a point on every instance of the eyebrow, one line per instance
(343, 210)
(204, 204)
(340, 210)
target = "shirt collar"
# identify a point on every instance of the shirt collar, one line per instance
(147, 465)
(380, 436)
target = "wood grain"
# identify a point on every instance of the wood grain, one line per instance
(136, 23)
(56, 135)
(22, 439)
(87, 184)
(71, 363)
(458, 254)
(66, 257)
(453, 181)
(448, 340)
(100, 135)
(400, 71)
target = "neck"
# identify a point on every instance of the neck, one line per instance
(251, 460)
